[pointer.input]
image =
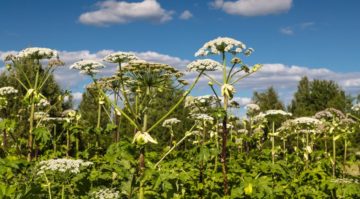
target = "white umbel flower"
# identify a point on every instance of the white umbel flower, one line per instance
(306, 121)
(170, 122)
(8, 90)
(277, 113)
(356, 107)
(37, 53)
(62, 165)
(120, 57)
(105, 194)
(252, 108)
(204, 65)
(89, 67)
(43, 103)
(222, 44)
(202, 117)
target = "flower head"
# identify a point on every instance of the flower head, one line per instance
(204, 65)
(222, 44)
(228, 90)
(305, 121)
(105, 194)
(8, 90)
(356, 107)
(120, 57)
(252, 108)
(62, 165)
(142, 138)
(202, 117)
(89, 67)
(37, 53)
(170, 122)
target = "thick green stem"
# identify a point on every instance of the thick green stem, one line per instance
(345, 150)
(67, 143)
(334, 156)
(224, 132)
(63, 192)
(32, 111)
(48, 184)
(273, 143)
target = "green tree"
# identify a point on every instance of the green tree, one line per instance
(317, 95)
(268, 99)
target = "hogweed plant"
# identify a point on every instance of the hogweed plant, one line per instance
(58, 173)
(225, 47)
(32, 57)
(142, 81)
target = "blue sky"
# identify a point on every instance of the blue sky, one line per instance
(291, 37)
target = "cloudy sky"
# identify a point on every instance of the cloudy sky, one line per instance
(292, 38)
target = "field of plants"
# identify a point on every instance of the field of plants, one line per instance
(141, 133)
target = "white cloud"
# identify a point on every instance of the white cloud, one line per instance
(120, 12)
(287, 31)
(290, 30)
(186, 15)
(253, 7)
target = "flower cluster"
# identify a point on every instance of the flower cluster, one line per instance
(105, 194)
(142, 65)
(356, 107)
(142, 138)
(345, 181)
(89, 67)
(8, 90)
(40, 115)
(252, 108)
(43, 103)
(223, 44)
(62, 165)
(202, 117)
(306, 121)
(330, 113)
(120, 57)
(276, 113)
(170, 122)
(37, 53)
(228, 90)
(204, 65)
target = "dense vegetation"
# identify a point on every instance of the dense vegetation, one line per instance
(139, 133)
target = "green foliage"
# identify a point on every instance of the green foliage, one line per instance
(314, 96)
(268, 100)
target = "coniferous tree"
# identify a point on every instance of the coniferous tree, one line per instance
(268, 99)
(317, 95)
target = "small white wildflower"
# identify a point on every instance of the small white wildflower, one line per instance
(40, 115)
(8, 90)
(37, 53)
(222, 44)
(228, 126)
(105, 194)
(170, 122)
(120, 57)
(202, 117)
(306, 121)
(89, 67)
(356, 107)
(204, 65)
(276, 113)
(62, 165)
(252, 108)
(43, 103)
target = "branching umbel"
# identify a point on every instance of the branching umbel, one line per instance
(224, 47)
